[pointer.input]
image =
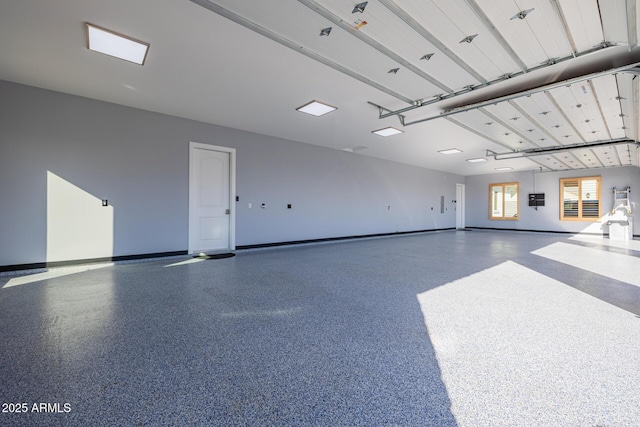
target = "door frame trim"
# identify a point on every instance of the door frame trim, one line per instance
(460, 206)
(232, 190)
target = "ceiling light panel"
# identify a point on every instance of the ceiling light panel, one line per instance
(316, 108)
(117, 45)
(450, 151)
(388, 131)
(453, 21)
(477, 160)
(386, 28)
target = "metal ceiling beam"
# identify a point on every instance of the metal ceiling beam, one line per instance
(296, 47)
(482, 135)
(496, 34)
(477, 132)
(521, 94)
(348, 27)
(516, 132)
(542, 128)
(558, 149)
(381, 109)
(415, 26)
(492, 82)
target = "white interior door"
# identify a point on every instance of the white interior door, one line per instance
(210, 216)
(460, 206)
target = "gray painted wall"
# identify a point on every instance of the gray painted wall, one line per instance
(547, 218)
(138, 160)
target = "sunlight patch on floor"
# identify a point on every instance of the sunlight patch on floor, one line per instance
(615, 266)
(622, 244)
(186, 262)
(54, 272)
(516, 347)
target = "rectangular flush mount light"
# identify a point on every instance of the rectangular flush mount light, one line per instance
(479, 159)
(116, 45)
(388, 131)
(504, 169)
(316, 108)
(450, 151)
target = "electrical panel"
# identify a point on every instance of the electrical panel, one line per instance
(536, 199)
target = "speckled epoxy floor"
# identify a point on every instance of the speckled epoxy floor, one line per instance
(442, 329)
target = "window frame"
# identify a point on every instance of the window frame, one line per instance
(503, 217)
(580, 207)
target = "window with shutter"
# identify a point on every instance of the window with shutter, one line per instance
(581, 199)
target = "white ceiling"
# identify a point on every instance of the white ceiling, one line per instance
(248, 65)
